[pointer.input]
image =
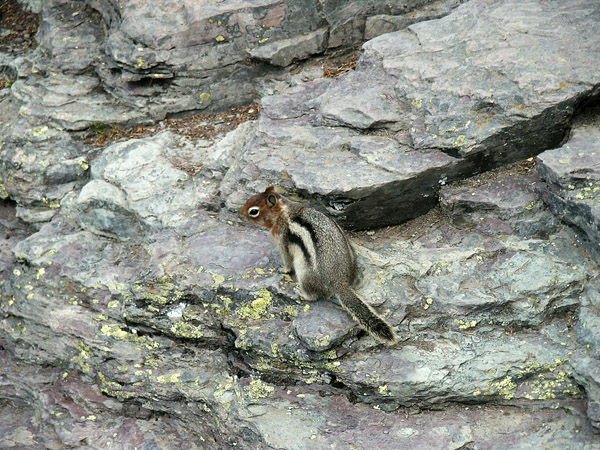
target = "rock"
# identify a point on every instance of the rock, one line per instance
(142, 305)
(502, 109)
(586, 362)
(572, 176)
(71, 102)
(383, 23)
(322, 327)
(156, 310)
(510, 201)
(465, 205)
(587, 372)
(40, 166)
(67, 171)
(284, 52)
(104, 210)
(35, 6)
(136, 179)
(481, 315)
(192, 57)
(72, 33)
(377, 106)
(588, 325)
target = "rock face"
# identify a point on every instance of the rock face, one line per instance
(183, 56)
(139, 312)
(427, 105)
(572, 188)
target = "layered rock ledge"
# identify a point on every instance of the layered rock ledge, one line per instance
(428, 105)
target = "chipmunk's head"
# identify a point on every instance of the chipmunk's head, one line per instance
(263, 209)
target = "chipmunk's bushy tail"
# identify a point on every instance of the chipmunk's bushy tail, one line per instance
(366, 317)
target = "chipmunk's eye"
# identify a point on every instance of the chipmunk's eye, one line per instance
(254, 211)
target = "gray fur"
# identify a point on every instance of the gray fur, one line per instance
(318, 251)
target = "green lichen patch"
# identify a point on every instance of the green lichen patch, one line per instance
(36, 132)
(547, 386)
(174, 378)
(81, 359)
(259, 389)
(162, 291)
(116, 332)
(323, 341)
(551, 381)
(223, 307)
(461, 141)
(113, 388)
(186, 329)
(536, 381)
(218, 279)
(417, 103)
(465, 324)
(505, 388)
(291, 311)
(258, 308)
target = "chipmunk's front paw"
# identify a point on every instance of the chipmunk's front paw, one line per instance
(288, 271)
(305, 295)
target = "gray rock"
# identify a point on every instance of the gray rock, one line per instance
(73, 35)
(136, 179)
(284, 52)
(40, 165)
(572, 176)
(384, 23)
(35, 6)
(143, 61)
(587, 372)
(510, 201)
(509, 197)
(187, 58)
(473, 93)
(144, 302)
(377, 105)
(67, 171)
(138, 320)
(322, 327)
(588, 325)
(481, 315)
(71, 102)
(35, 215)
(104, 210)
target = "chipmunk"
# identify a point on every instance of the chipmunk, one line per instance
(316, 249)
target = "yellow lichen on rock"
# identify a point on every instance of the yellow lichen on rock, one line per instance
(258, 308)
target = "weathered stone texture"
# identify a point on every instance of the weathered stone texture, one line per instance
(447, 97)
(138, 311)
(572, 188)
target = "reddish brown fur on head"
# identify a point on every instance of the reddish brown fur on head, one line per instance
(263, 209)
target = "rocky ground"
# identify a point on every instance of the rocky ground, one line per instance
(137, 311)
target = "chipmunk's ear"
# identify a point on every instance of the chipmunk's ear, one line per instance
(271, 194)
(271, 200)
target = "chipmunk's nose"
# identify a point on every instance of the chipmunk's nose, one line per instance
(243, 217)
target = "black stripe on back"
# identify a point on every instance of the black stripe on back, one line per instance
(308, 227)
(293, 238)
